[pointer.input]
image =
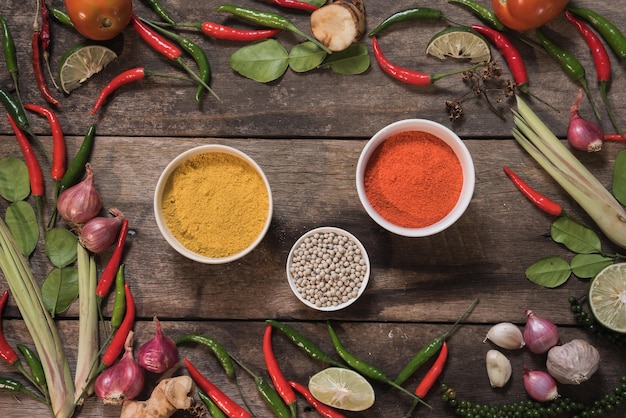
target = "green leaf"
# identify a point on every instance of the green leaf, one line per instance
(14, 180)
(586, 266)
(61, 247)
(575, 236)
(353, 60)
(305, 57)
(60, 289)
(318, 3)
(549, 272)
(22, 222)
(619, 177)
(262, 61)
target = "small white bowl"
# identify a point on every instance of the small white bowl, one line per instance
(450, 138)
(365, 264)
(158, 207)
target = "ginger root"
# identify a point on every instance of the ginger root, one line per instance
(167, 397)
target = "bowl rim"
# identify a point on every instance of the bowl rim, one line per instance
(446, 135)
(338, 231)
(158, 196)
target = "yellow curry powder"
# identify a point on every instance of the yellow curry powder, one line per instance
(215, 204)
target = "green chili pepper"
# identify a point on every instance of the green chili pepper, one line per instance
(10, 54)
(214, 410)
(60, 16)
(11, 385)
(160, 11)
(270, 20)
(364, 368)
(36, 369)
(16, 110)
(267, 392)
(569, 64)
(304, 344)
(218, 350)
(484, 13)
(76, 167)
(416, 13)
(611, 34)
(430, 349)
(119, 305)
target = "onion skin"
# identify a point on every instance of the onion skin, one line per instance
(540, 334)
(99, 233)
(122, 381)
(583, 134)
(159, 354)
(539, 385)
(81, 202)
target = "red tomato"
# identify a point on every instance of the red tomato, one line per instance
(99, 20)
(527, 14)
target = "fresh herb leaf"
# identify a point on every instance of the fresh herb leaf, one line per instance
(575, 236)
(60, 289)
(22, 222)
(61, 247)
(549, 272)
(353, 60)
(619, 177)
(586, 266)
(262, 61)
(14, 181)
(305, 56)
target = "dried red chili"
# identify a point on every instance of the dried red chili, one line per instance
(59, 154)
(40, 78)
(116, 346)
(6, 351)
(542, 202)
(278, 379)
(108, 274)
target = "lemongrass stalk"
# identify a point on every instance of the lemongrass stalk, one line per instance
(43, 331)
(537, 139)
(87, 324)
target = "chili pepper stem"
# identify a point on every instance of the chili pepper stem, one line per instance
(43, 389)
(603, 87)
(585, 87)
(438, 76)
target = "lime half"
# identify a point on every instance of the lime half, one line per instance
(81, 62)
(342, 388)
(460, 43)
(607, 297)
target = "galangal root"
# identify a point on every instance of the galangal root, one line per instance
(339, 23)
(167, 397)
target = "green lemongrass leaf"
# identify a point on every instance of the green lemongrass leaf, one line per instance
(575, 236)
(22, 222)
(619, 177)
(305, 56)
(262, 61)
(14, 181)
(60, 289)
(353, 60)
(549, 272)
(61, 247)
(586, 266)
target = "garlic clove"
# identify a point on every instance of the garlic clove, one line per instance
(498, 368)
(506, 335)
(573, 363)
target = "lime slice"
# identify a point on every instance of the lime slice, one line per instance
(607, 297)
(81, 62)
(458, 42)
(342, 388)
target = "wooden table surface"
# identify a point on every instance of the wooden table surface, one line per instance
(306, 131)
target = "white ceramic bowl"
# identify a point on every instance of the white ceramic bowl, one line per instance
(450, 138)
(158, 207)
(365, 264)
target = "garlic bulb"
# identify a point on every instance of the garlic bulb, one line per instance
(498, 368)
(574, 362)
(506, 335)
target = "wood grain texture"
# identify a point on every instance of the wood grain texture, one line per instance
(306, 131)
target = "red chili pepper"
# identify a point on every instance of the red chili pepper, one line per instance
(226, 404)
(59, 155)
(278, 379)
(295, 4)
(615, 137)
(405, 75)
(601, 61)
(325, 410)
(34, 169)
(510, 53)
(38, 71)
(156, 41)
(126, 77)
(541, 201)
(6, 351)
(44, 31)
(110, 271)
(433, 373)
(215, 30)
(116, 346)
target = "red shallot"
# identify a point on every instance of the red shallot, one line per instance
(122, 381)
(81, 202)
(583, 134)
(159, 354)
(539, 385)
(100, 233)
(540, 334)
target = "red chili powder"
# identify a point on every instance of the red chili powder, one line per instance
(413, 179)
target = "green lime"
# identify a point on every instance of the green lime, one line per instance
(342, 388)
(459, 42)
(81, 62)
(607, 297)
